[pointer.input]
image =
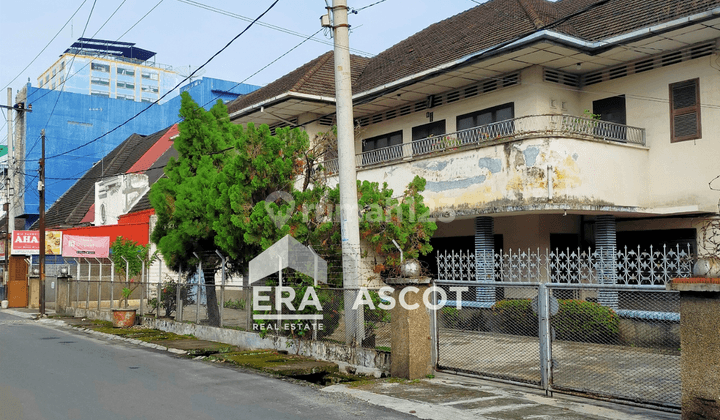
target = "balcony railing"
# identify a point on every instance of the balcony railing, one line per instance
(518, 128)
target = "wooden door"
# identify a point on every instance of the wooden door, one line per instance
(17, 286)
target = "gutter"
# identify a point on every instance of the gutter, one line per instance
(280, 98)
(590, 47)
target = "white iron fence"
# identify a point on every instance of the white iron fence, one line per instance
(655, 266)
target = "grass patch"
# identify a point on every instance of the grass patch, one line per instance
(142, 334)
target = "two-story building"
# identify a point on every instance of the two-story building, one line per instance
(537, 125)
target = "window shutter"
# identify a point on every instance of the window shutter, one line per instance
(685, 110)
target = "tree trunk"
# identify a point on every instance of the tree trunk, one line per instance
(213, 311)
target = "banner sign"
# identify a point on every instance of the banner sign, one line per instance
(27, 242)
(86, 246)
(2, 249)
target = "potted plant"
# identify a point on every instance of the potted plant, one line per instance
(124, 317)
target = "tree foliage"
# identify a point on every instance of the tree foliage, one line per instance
(221, 193)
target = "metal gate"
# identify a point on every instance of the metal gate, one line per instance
(612, 341)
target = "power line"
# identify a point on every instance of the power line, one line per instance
(47, 45)
(267, 25)
(169, 91)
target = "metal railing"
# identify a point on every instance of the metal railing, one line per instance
(654, 266)
(550, 125)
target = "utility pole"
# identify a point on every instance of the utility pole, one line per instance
(8, 180)
(41, 192)
(349, 224)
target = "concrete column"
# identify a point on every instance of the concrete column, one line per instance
(484, 258)
(410, 341)
(605, 243)
(700, 343)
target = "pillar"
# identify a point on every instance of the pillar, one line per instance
(605, 243)
(411, 342)
(485, 258)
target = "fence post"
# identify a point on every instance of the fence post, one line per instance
(142, 286)
(87, 287)
(222, 287)
(99, 283)
(112, 284)
(545, 337)
(178, 298)
(199, 291)
(159, 290)
(77, 285)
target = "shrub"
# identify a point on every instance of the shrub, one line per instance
(579, 320)
(450, 317)
(514, 316)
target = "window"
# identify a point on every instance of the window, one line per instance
(685, 111)
(422, 132)
(612, 110)
(380, 142)
(54, 72)
(485, 117)
(151, 76)
(53, 85)
(62, 65)
(126, 85)
(100, 67)
(125, 72)
(99, 93)
(100, 81)
(47, 78)
(153, 89)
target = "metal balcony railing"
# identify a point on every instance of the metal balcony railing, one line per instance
(550, 125)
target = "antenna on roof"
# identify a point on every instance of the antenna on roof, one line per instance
(186, 71)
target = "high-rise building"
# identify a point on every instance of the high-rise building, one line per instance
(110, 69)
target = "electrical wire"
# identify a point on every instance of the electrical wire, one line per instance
(169, 91)
(267, 25)
(47, 45)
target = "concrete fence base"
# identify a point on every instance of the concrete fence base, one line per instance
(353, 360)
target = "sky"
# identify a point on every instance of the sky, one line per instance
(187, 33)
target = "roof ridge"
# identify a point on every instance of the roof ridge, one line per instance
(531, 13)
(308, 74)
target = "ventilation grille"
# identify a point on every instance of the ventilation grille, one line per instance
(562, 78)
(326, 120)
(485, 86)
(283, 125)
(662, 60)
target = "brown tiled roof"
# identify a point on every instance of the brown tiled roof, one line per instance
(487, 25)
(316, 77)
(72, 206)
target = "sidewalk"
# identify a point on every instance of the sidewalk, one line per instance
(446, 396)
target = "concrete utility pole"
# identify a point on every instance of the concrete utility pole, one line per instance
(349, 225)
(8, 180)
(41, 192)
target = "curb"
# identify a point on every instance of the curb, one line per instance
(58, 323)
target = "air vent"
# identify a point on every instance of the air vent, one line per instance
(487, 85)
(471, 91)
(663, 60)
(673, 58)
(618, 72)
(326, 120)
(562, 78)
(644, 65)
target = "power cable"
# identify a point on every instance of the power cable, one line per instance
(169, 91)
(47, 45)
(267, 25)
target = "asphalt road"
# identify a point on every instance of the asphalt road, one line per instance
(55, 373)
